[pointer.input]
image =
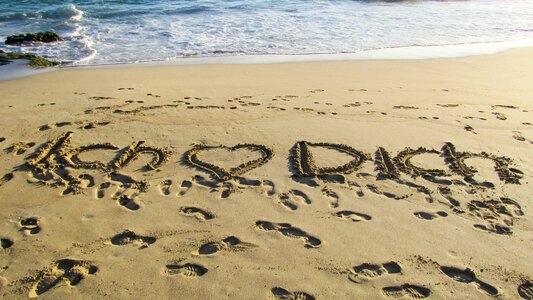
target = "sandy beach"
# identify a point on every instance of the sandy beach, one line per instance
(319, 180)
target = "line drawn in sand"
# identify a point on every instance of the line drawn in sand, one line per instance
(190, 158)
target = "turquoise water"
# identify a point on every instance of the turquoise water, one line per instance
(103, 32)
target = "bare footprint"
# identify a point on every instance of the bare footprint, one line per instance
(368, 271)
(268, 188)
(198, 213)
(100, 191)
(352, 215)
(413, 291)
(517, 135)
(164, 187)
(128, 203)
(284, 200)
(187, 270)
(278, 293)
(288, 230)
(373, 188)
(500, 116)
(331, 196)
(300, 195)
(227, 190)
(288, 199)
(429, 215)
(184, 188)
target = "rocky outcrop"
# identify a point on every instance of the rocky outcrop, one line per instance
(43, 37)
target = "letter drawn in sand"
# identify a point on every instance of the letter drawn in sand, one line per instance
(304, 165)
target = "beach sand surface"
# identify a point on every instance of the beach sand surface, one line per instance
(316, 180)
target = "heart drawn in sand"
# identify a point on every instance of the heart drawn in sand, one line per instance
(191, 158)
(304, 162)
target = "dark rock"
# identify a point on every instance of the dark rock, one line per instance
(35, 60)
(43, 37)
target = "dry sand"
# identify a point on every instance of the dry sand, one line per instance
(326, 180)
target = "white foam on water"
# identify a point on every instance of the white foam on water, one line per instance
(400, 53)
(78, 14)
(117, 32)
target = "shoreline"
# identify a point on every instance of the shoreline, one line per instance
(19, 70)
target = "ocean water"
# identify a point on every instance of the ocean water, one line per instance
(129, 31)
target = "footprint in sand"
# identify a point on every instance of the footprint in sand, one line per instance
(268, 188)
(198, 213)
(373, 188)
(287, 199)
(409, 290)
(429, 215)
(19, 148)
(500, 116)
(187, 270)
(469, 129)
(55, 125)
(5, 243)
(6, 178)
(368, 271)
(128, 237)
(468, 276)
(288, 230)
(30, 226)
(65, 270)
(184, 188)
(227, 190)
(164, 187)
(352, 216)
(278, 293)
(331, 196)
(517, 135)
(231, 243)
(100, 191)
(128, 203)
(525, 290)
(200, 180)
